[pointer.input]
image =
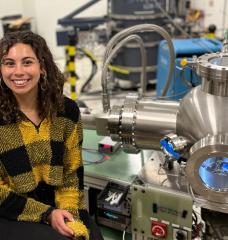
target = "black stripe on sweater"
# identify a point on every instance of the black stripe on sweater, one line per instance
(80, 173)
(71, 110)
(57, 153)
(12, 206)
(16, 161)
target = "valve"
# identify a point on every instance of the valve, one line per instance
(173, 146)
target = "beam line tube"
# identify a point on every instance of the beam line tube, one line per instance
(154, 119)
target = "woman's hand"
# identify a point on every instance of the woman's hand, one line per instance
(57, 220)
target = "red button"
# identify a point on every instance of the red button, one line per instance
(158, 229)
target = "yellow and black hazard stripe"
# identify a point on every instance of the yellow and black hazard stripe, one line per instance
(71, 69)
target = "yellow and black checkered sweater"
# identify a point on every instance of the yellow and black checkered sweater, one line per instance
(49, 153)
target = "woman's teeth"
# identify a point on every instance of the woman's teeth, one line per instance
(20, 82)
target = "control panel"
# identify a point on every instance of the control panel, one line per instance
(160, 213)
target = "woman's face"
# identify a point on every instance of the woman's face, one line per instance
(21, 70)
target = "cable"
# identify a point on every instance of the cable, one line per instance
(183, 79)
(163, 182)
(98, 93)
(130, 205)
(196, 226)
(112, 52)
(194, 217)
(125, 229)
(118, 69)
(94, 68)
(123, 238)
(165, 173)
(188, 84)
(172, 96)
(115, 40)
(91, 154)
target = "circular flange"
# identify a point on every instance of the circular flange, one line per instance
(127, 123)
(202, 169)
(114, 122)
(213, 66)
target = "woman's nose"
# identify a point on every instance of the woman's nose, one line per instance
(18, 69)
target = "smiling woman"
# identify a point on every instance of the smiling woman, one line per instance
(21, 69)
(41, 170)
(21, 73)
(28, 75)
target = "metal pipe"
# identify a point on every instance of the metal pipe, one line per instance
(106, 101)
(154, 119)
(124, 33)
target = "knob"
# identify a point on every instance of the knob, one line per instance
(180, 235)
(158, 229)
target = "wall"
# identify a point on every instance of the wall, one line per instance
(9, 7)
(215, 13)
(30, 11)
(47, 13)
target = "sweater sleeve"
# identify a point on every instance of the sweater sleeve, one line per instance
(70, 195)
(17, 207)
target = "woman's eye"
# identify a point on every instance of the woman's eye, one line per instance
(27, 62)
(8, 63)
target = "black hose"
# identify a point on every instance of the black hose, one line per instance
(93, 72)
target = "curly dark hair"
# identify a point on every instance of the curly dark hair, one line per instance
(50, 92)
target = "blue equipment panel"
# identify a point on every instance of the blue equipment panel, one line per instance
(183, 48)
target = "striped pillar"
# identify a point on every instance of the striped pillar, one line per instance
(71, 68)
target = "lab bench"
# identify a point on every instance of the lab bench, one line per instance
(118, 167)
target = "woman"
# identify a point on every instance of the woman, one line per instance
(41, 171)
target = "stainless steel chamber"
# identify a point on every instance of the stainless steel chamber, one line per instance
(199, 121)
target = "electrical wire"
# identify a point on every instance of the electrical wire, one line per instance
(161, 167)
(194, 217)
(93, 153)
(184, 80)
(197, 226)
(125, 229)
(130, 205)
(173, 95)
(188, 84)
(163, 182)
(123, 237)
(94, 68)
